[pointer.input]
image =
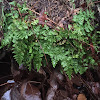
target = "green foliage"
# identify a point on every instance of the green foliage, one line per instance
(29, 41)
(0, 0)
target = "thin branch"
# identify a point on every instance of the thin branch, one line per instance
(35, 4)
(71, 44)
(20, 13)
(91, 4)
(34, 82)
(5, 84)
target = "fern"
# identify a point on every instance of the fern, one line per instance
(29, 41)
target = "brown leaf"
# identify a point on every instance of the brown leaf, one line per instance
(81, 97)
(75, 11)
(30, 92)
(61, 23)
(53, 88)
(42, 18)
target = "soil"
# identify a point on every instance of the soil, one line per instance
(49, 83)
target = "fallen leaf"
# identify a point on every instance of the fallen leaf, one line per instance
(42, 18)
(30, 92)
(81, 97)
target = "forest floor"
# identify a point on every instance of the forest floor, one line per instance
(50, 84)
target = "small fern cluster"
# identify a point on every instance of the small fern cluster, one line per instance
(30, 41)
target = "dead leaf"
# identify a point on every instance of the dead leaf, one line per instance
(42, 18)
(68, 14)
(76, 11)
(30, 92)
(81, 97)
(53, 88)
